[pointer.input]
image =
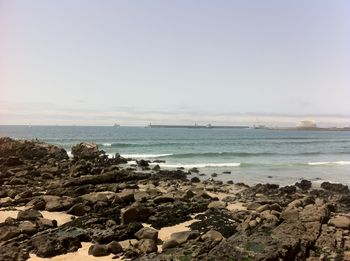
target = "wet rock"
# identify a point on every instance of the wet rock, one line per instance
(304, 184)
(143, 163)
(340, 222)
(98, 250)
(147, 233)
(146, 246)
(335, 187)
(195, 180)
(194, 170)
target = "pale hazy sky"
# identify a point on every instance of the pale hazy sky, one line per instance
(100, 62)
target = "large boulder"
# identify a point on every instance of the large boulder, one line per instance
(29, 150)
(335, 187)
(86, 150)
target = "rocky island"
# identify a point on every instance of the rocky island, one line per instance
(106, 208)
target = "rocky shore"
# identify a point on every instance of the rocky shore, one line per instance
(52, 205)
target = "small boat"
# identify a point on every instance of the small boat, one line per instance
(116, 125)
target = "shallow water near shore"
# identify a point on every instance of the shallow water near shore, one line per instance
(251, 156)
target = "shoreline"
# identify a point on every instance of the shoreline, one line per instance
(106, 209)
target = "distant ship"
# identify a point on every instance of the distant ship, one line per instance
(116, 125)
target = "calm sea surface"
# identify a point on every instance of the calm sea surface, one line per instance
(252, 156)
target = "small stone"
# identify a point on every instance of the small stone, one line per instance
(212, 235)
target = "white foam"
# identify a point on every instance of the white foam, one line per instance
(107, 144)
(146, 156)
(198, 165)
(69, 153)
(329, 163)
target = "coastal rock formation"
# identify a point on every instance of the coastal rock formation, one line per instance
(55, 203)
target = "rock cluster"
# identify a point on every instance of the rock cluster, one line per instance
(111, 203)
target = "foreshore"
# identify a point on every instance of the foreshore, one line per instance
(92, 207)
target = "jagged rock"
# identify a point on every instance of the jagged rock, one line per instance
(146, 246)
(335, 187)
(304, 184)
(147, 232)
(86, 150)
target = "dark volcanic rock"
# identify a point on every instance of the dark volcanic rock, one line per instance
(335, 187)
(304, 184)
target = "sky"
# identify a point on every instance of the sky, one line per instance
(87, 62)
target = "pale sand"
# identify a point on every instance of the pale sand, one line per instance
(60, 217)
(165, 232)
(80, 255)
(236, 206)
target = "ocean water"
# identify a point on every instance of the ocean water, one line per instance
(252, 156)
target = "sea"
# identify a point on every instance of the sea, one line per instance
(242, 155)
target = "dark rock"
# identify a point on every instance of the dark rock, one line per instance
(163, 199)
(304, 184)
(98, 250)
(13, 253)
(135, 213)
(195, 180)
(8, 232)
(194, 170)
(30, 214)
(78, 209)
(143, 163)
(146, 246)
(13, 161)
(214, 175)
(169, 244)
(335, 187)
(114, 248)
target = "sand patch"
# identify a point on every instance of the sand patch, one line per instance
(165, 232)
(80, 255)
(236, 206)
